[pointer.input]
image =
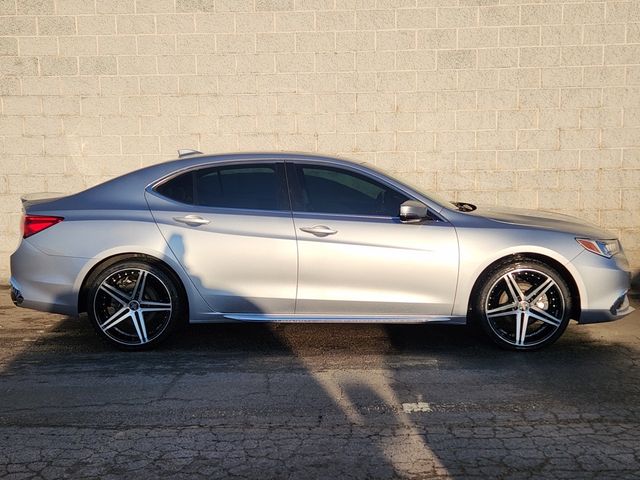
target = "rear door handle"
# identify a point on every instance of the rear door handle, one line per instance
(192, 220)
(319, 230)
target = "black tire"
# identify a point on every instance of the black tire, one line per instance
(526, 293)
(135, 304)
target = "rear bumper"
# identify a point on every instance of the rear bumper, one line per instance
(44, 282)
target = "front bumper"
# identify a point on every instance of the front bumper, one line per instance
(606, 283)
(620, 308)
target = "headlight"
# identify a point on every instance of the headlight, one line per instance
(605, 248)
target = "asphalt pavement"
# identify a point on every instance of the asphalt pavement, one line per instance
(253, 401)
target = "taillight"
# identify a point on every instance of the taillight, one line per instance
(32, 224)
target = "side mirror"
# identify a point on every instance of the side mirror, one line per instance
(413, 211)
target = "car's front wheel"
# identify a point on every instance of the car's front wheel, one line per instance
(134, 304)
(523, 305)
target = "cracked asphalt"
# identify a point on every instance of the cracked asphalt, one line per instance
(316, 401)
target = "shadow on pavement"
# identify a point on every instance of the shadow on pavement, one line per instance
(319, 401)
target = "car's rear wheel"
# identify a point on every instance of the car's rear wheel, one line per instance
(135, 305)
(524, 305)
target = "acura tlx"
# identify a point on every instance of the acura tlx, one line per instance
(286, 237)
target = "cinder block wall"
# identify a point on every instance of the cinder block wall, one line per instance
(529, 104)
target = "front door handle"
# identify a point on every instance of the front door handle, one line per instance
(319, 230)
(192, 220)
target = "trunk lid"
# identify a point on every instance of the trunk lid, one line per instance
(31, 199)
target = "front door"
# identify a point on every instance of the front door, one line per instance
(357, 258)
(231, 228)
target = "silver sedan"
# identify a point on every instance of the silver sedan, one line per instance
(302, 238)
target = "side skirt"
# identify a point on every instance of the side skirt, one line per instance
(259, 317)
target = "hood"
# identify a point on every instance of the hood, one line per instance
(544, 220)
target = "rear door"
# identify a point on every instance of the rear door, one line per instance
(231, 228)
(356, 257)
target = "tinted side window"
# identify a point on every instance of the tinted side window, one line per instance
(241, 186)
(258, 187)
(179, 188)
(334, 190)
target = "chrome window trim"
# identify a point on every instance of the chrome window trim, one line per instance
(379, 218)
(341, 215)
(208, 164)
(293, 159)
(223, 210)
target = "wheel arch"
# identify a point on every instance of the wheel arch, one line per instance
(574, 290)
(104, 263)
